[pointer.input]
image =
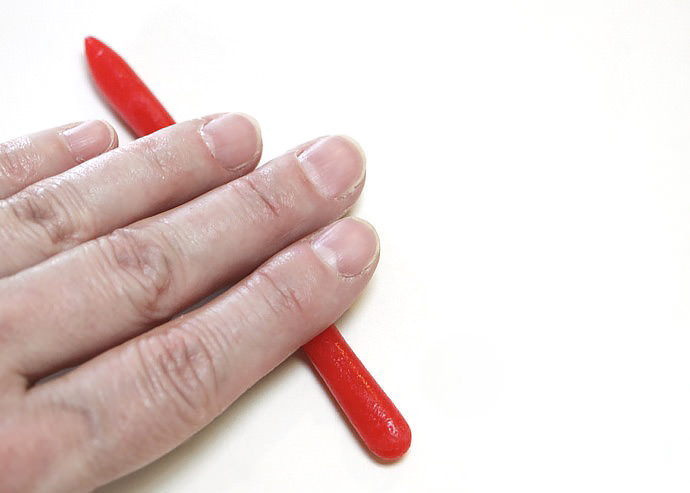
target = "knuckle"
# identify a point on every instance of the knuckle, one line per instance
(18, 161)
(262, 200)
(158, 154)
(180, 371)
(281, 298)
(144, 265)
(52, 208)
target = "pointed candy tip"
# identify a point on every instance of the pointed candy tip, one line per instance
(92, 44)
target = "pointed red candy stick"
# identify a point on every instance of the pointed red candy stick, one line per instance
(378, 422)
(376, 419)
(124, 90)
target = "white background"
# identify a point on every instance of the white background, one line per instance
(529, 175)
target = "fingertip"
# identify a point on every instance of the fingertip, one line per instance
(349, 246)
(234, 139)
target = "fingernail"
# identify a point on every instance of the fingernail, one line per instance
(89, 139)
(335, 165)
(234, 139)
(348, 246)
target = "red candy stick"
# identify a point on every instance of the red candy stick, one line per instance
(124, 90)
(378, 422)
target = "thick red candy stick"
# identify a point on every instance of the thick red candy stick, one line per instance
(378, 422)
(124, 90)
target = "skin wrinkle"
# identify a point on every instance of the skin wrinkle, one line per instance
(17, 158)
(142, 262)
(161, 159)
(256, 284)
(122, 418)
(176, 367)
(55, 210)
(172, 236)
(279, 296)
(207, 368)
(282, 201)
(157, 391)
(213, 352)
(275, 207)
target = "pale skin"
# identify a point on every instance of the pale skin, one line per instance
(102, 247)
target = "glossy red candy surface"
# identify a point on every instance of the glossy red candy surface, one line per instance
(124, 90)
(376, 419)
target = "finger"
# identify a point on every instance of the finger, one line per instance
(143, 178)
(119, 285)
(143, 398)
(28, 159)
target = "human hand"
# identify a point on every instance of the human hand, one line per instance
(95, 259)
